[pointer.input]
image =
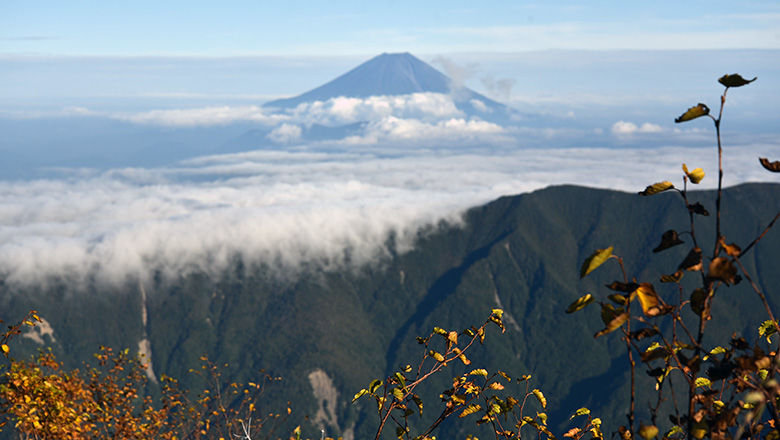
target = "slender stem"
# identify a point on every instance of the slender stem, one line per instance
(753, 243)
(716, 250)
(627, 336)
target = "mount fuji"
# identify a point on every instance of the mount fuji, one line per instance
(392, 74)
(384, 98)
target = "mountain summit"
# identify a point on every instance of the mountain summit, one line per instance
(395, 74)
(386, 74)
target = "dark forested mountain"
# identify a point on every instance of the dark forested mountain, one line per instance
(329, 333)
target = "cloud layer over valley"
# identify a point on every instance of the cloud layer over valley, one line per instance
(290, 210)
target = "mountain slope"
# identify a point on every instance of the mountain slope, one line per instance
(520, 253)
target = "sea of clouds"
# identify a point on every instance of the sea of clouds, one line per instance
(296, 209)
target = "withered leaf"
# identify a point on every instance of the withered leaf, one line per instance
(673, 278)
(643, 333)
(770, 166)
(723, 269)
(698, 208)
(692, 261)
(735, 80)
(619, 286)
(693, 113)
(669, 239)
(698, 298)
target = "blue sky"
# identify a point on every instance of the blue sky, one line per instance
(306, 28)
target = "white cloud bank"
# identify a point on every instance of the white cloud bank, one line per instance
(295, 209)
(622, 128)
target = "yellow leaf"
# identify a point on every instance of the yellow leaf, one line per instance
(581, 303)
(595, 260)
(614, 324)
(695, 176)
(453, 337)
(478, 372)
(648, 432)
(436, 356)
(471, 409)
(657, 188)
(648, 298)
(5, 348)
(540, 397)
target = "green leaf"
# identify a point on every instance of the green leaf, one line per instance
(702, 382)
(735, 80)
(656, 188)
(398, 393)
(674, 430)
(648, 432)
(693, 113)
(580, 412)
(440, 331)
(767, 329)
(717, 350)
(595, 260)
(700, 429)
(401, 379)
(770, 166)
(654, 351)
(580, 304)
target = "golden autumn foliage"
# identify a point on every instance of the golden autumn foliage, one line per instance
(44, 401)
